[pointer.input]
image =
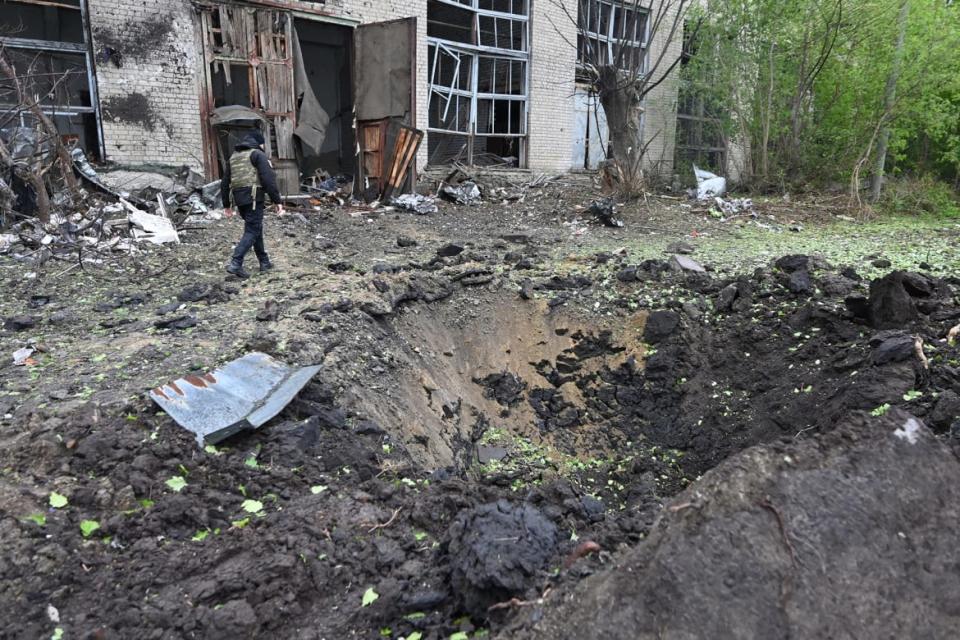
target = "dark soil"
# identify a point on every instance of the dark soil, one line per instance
(481, 433)
(847, 534)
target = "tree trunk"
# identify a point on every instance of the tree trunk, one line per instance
(889, 101)
(767, 116)
(621, 103)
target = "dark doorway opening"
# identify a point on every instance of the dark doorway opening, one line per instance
(328, 60)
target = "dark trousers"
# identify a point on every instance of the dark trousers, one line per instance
(252, 215)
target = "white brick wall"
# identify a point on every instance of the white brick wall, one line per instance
(552, 71)
(162, 69)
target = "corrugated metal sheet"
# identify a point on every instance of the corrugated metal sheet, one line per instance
(241, 395)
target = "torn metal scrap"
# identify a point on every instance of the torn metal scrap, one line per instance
(241, 395)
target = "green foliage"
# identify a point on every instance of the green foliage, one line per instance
(252, 506)
(57, 501)
(881, 410)
(806, 83)
(176, 483)
(87, 527)
(369, 597)
(38, 518)
(921, 196)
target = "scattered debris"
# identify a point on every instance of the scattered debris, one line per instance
(684, 263)
(603, 210)
(243, 394)
(416, 203)
(734, 207)
(709, 185)
(22, 356)
(155, 229)
(465, 193)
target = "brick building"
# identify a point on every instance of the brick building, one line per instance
(487, 80)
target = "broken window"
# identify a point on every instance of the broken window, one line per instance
(45, 43)
(478, 56)
(612, 32)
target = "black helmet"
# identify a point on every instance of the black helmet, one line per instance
(252, 140)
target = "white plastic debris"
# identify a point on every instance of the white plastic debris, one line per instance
(910, 431)
(709, 185)
(20, 356)
(155, 229)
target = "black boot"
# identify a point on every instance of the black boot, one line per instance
(236, 268)
(265, 265)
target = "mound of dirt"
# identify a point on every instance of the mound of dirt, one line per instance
(496, 550)
(853, 530)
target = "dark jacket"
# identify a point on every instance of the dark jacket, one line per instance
(268, 178)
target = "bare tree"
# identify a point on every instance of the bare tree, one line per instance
(30, 170)
(624, 54)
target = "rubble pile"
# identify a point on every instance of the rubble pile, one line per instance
(114, 213)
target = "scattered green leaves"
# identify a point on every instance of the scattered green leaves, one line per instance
(200, 536)
(38, 518)
(369, 597)
(911, 395)
(416, 635)
(881, 410)
(460, 635)
(241, 523)
(57, 501)
(318, 489)
(176, 483)
(87, 527)
(252, 506)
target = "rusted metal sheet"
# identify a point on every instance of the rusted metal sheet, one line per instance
(241, 395)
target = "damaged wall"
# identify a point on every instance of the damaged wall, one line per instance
(150, 102)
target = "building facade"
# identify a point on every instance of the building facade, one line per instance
(489, 81)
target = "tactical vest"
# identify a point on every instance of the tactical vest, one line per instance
(243, 173)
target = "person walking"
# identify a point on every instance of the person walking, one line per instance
(247, 180)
